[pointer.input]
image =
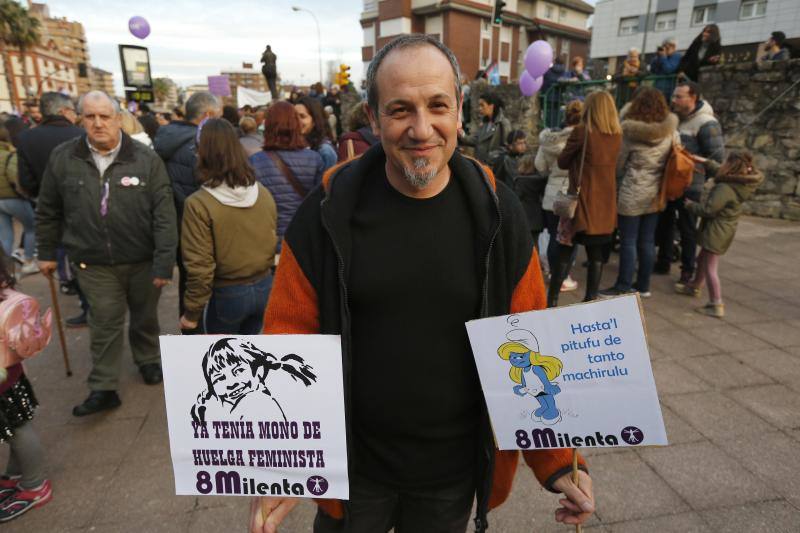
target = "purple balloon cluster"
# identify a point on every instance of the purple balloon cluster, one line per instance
(538, 58)
(139, 27)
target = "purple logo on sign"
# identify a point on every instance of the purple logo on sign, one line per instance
(632, 435)
(317, 485)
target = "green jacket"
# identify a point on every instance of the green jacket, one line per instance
(721, 211)
(227, 239)
(8, 171)
(140, 224)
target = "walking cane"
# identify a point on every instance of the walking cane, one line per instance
(57, 311)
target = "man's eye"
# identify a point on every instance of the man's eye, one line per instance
(398, 111)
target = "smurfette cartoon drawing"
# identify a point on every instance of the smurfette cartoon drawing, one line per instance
(236, 370)
(533, 373)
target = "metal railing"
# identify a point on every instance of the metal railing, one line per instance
(553, 101)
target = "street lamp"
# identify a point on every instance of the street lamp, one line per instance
(319, 40)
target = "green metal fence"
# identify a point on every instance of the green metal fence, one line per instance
(554, 100)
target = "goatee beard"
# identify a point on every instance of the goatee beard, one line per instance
(416, 176)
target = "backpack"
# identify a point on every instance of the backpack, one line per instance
(678, 173)
(23, 333)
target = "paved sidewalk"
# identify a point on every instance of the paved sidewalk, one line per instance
(729, 389)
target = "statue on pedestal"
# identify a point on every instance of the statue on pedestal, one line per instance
(270, 70)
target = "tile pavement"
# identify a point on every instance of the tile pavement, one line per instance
(730, 392)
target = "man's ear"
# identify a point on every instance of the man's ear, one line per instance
(373, 120)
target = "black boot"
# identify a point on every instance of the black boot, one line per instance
(556, 279)
(594, 273)
(98, 400)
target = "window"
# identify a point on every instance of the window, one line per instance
(666, 21)
(703, 15)
(548, 12)
(753, 9)
(565, 46)
(562, 14)
(628, 26)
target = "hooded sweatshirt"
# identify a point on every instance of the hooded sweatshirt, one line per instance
(721, 210)
(228, 238)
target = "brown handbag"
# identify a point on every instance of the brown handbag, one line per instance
(288, 174)
(565, 204)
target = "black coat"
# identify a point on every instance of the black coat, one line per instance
(690, 62)
(175, 143)
(34, 147)
(530, 190)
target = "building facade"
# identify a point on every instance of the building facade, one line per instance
(744, 24)
(248, 78)
(45, 68)
(70, 38)
(101, 80)
(465, 26)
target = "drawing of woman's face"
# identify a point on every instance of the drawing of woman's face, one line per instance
(233, 382)
(520, 360)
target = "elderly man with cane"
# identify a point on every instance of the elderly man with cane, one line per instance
(109, 200)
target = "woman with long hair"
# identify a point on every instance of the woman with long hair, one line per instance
(706, 49)
(590, 155)
(648, 132)
(495, 127)
(286, 167)
(228, 238)
(316, 129)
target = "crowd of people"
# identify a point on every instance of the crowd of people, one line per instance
(277, 227)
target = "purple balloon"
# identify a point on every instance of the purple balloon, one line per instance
(528, 85)
(139, 27)
(538, 58)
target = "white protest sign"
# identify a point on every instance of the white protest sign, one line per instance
(259, 415)
(569, 377)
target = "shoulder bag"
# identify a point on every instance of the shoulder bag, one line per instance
(565, 204)
(288, 174)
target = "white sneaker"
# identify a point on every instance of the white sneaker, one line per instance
(569, 284)
(28, 268)
(19, 256)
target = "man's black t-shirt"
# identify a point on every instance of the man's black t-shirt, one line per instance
(414, 282)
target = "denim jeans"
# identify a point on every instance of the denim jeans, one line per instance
(238, 309)
(687, 227)
(637, 240)
(11, 208)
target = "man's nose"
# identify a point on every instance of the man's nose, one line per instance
(421, 128)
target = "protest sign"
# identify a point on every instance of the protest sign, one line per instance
(569, 377)
(259, 415)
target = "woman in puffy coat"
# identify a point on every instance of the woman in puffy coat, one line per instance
(551, 143)
(286, 166)
(648, 132)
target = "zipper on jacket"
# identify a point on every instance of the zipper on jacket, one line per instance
(347, 360)
(481, 522)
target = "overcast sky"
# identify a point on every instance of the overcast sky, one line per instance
(190, 40)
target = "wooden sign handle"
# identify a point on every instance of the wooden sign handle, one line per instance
(575, 479)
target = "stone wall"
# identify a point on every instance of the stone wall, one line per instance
(738, 93)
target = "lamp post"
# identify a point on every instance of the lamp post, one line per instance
(319, 40)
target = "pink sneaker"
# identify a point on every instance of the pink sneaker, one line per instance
(8, 485)
(22, 501)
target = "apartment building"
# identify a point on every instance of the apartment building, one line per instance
(619, 25)
(465, 26)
